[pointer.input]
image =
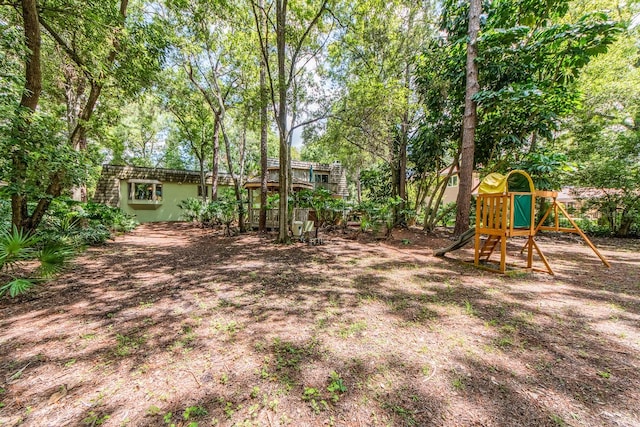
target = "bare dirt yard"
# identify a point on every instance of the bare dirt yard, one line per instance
(175, 325)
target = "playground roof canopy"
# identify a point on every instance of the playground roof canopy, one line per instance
(516, 181)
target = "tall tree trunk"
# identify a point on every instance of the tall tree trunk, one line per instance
(283, 173)
(264, 123)
(238, 182)
(78, 137)
(358, 186)
(203, 177)
(469, 123)
(215, 159)
(404, 135)
(234, 177)
(28, 104)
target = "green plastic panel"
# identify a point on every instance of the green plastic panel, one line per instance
(522, 211)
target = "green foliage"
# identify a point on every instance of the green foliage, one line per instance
(528, 62)
(446, 214)
(336, 386)
(16, 287)
(192, 209)
(18, 249)
(547, 169)
(194, 411)
(221, 211)
(378, 214)
(80, 224)
(603, 136)
(329, 210)
(376, 183)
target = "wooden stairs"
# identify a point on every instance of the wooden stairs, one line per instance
(489, 246)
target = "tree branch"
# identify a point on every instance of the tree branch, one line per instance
(73, 55)
(306, 33)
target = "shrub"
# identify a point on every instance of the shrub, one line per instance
(18, 248)
(378, 214)
(218, 212)
(192, 209)
(80, 224)
(329, 210)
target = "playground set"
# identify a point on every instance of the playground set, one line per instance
(505, 208)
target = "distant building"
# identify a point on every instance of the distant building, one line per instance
(151, 194)
(304, 175)
(453, 185)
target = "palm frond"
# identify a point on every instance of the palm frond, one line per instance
(16, 287)
(53, 259)
(15, 246)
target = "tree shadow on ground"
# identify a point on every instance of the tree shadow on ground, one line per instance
(173, 318)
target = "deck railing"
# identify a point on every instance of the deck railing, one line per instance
(273, 217)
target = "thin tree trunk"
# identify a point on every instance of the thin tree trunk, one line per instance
(283, 173)
(238, 181)
(264, 123)
(469, 123)
(28, 104)
(215, 159)
(358, 187)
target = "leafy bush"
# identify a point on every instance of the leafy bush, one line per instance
(5, 214)
(192, 209)
(378, 214)
(80, 224)
(447, 214)
(329, 210)
(218, 212)
(110, 217)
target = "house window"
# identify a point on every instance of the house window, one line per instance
(453, 181)
(322, 177)
(145, 190)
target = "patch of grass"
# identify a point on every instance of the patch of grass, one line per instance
(366, 297)
(224, 378)
(458, 383)
(399, 304)
(185, 342)
(557, 420)
(289, 355)
(313, 397)
(504, 342)
(230, 328)
(426, 370)
(604, 374)
(167, 417)
(88, 337)
(404, 413)
(468, 308)
(194, 411)
(71, 362)
(352, 329)
(153, 410)
(145, 304)
(95, 419)
(255, 392)
(127, 345)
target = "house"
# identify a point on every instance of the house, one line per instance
(304, 176)
(150, 194)
(453, 185)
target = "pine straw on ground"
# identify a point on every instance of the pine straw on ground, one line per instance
(173, 324)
